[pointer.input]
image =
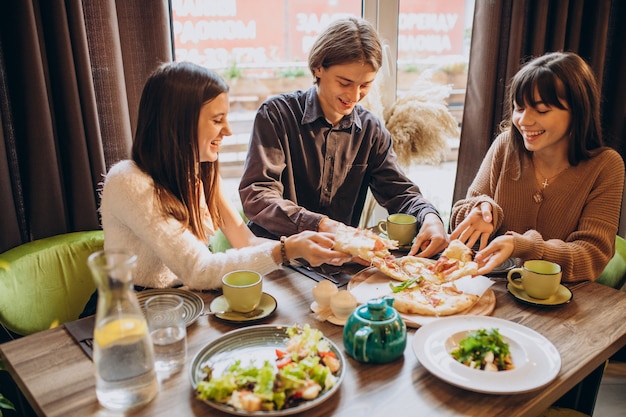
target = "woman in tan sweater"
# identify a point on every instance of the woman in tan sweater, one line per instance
(548, 188)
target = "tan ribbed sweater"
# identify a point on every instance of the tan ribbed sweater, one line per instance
(574, 225)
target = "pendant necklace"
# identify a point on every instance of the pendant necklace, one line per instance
(538, 195)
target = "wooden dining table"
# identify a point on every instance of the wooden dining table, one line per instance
(57, 377)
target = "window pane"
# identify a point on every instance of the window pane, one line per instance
(433, 53)
(259, 47)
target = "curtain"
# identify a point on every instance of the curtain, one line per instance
(71, 74)
(508, 32)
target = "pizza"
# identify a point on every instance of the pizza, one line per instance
(428, 285)
(363, 243)
(429, 299)
(454, 263)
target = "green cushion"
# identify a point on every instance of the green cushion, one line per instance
(218, 242)
(45, 283)
(614, 274)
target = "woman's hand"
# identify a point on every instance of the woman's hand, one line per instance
(499, 250)
(316, 248)
(477, 225)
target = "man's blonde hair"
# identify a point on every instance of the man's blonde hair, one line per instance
(346, 41)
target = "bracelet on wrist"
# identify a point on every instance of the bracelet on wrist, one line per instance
(283, 251)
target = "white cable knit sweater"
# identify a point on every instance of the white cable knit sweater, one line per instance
(168, 254)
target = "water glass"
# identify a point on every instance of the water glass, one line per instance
(166, 320)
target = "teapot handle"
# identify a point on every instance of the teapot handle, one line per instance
(360, 343)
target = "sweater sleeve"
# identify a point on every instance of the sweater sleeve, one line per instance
(483, 188)
(586, 251)
(132, 220)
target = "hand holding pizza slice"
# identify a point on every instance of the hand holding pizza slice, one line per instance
(363, 243)
(427, 287)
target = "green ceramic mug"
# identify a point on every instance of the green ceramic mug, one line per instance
(538, 278)
(401, 227)
(243, 290)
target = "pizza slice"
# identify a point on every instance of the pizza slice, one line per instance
(405, 267)
(447, 269)
(455, 262)
(430, 299)
(363, 243)
(458, 250)
(442, 270)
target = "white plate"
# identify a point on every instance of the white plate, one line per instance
(258, 343)
(536, 360)
(326, 315)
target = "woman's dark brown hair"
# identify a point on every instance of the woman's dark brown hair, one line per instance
(560, 77)
(166, 140)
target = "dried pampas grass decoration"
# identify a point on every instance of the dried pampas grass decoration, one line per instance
(420, 124)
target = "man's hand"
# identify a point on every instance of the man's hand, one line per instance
(478, 225)
(431, 238)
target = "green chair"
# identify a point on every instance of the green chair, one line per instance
(218, 242)
(614, 274)
(46, 282)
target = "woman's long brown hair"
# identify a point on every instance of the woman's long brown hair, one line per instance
(166, 140)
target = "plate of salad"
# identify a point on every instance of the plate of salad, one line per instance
(456, 350)
(267, 370)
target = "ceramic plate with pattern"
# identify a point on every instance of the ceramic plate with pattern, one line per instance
(192, 302)
(254, 343)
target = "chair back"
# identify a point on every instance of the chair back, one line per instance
(46, 282)
(614, 274)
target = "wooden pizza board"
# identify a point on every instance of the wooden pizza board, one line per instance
(485, 305)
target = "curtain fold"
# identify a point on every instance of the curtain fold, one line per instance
(71, 74)
(507, 33)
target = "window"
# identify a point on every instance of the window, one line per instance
(261, 48)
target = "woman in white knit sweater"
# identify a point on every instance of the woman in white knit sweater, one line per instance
(165, 203)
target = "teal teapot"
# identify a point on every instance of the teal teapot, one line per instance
(375, 333)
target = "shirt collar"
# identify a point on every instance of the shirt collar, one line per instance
(313, 111)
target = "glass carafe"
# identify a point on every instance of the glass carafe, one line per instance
(123, 351)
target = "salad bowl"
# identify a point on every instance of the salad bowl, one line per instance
(254, 345)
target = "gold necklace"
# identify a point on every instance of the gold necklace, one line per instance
(538, 195)
(546, 180)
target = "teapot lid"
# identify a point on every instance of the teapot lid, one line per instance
(379, 309)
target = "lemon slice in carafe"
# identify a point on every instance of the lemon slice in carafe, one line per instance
(120, 331)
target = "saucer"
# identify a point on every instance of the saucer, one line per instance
(327, 316)
(505, 266)
(563, 296)
(268, 306)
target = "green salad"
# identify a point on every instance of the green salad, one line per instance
(302, 371)
(484, 349)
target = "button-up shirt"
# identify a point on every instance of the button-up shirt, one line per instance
(300, 168)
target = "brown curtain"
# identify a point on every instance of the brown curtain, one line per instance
(508, 32)
(71, 74)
